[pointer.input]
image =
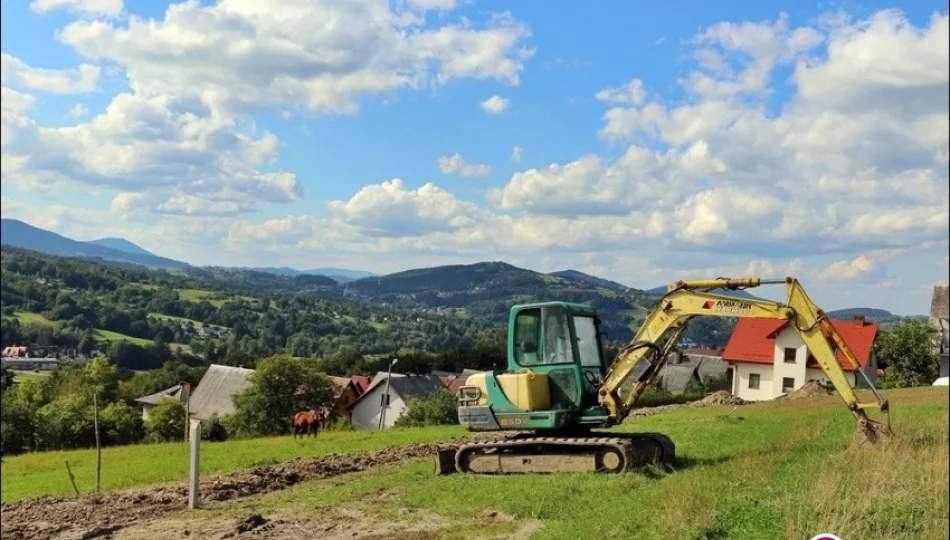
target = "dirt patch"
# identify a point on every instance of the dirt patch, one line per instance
(63, 519)
(721, 397)
(810, 389)
(334, 524)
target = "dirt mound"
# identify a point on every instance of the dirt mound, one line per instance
(722, 397)
(53, 517)
(810, 389)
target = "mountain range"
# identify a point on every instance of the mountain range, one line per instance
(487, 288)
(17, 233)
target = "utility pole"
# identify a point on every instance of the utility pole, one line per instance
(384, 400)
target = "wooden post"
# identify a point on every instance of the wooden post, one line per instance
(72, 479)
(194, 466)
(95, 407)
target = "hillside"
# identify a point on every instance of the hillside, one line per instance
(122, 245)
(725, 292)
(587, 278)
(14, 232)
(340, 275)
(870, 314)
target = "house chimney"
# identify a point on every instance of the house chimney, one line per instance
(859, 320)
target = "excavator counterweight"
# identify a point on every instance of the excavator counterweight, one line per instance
(558, 387)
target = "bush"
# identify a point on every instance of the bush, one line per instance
(438, 408)
(655, 397)
(120, 424)
(214, 430)
(166, 421)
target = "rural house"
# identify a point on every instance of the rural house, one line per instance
(769, 358)
(939, 315)
(693, 365)
(215, 392)
(150, 401)
(365, 412)
(346, 392)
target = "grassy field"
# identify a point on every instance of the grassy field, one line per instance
(197, 295)
(26, 317)
(44, 473)
(769, 470)
(775, 470)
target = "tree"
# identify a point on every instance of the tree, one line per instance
(905, 351)
(166, 421)
(280, 387)
(121, 424)
(438, 408)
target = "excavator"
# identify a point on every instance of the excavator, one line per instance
(558, 389)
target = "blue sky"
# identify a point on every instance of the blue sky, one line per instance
(656, 141)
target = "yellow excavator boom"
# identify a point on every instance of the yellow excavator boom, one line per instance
(639, 363)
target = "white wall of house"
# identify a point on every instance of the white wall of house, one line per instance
(743, 376)
(366, 412)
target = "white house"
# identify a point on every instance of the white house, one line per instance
(940, 321)
(366, 411)
(768, 358)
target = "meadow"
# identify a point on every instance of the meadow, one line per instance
(780, 469)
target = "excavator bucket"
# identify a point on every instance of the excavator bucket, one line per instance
(871, 433)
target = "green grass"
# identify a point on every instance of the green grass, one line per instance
(109, 335)
(44, 473)
(99, 334)
(26, 317)
(773, 470)
(770, 470)
(197, 295)
(20, 375)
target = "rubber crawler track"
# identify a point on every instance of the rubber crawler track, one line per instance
(635, 449)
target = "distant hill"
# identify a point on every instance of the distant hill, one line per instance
(120, 244)
(340, 275)
(593, 280)
(870, 314)
(724, 292)
(14, 232)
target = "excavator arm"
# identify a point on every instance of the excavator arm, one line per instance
(639, 363)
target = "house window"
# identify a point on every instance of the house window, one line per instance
(790, 355)
(753, 380)
(788, 384)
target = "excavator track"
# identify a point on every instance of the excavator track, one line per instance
(521, 454)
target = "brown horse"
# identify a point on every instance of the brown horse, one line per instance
(306, 423)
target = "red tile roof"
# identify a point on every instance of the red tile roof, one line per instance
(452, 383)
(753, 341)
(362, 382)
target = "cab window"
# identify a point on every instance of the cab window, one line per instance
(587, 341)
(542, 336)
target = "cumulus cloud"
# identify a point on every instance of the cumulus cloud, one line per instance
(77, 110)
(456, 164)
(495, 105)
(15, 72)
(111, 8)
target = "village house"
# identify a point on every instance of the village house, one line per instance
(940, 321)
(768, 358)
(366, 411)
(16, 351)
(346, 392)
(216, 390)
(694, 366)
(149, 402)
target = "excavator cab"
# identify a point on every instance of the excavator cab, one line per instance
(556, 363)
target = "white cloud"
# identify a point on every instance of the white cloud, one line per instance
(15, 72)
(516, 153)
(111, 8)
(251, 55)
(495, 105)
(456, 164)
(77, 110)
(441, 5)
(632, 93)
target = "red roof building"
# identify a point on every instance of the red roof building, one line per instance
(769, 358)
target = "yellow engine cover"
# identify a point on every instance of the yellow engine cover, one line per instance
(527, 391)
